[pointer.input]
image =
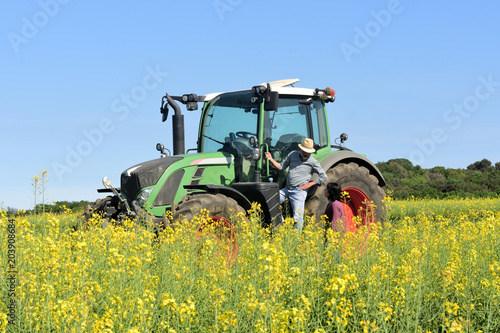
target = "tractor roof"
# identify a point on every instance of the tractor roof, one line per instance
(283, 87)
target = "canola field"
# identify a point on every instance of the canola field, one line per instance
(433, 266)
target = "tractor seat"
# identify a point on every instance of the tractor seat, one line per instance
(288, 143)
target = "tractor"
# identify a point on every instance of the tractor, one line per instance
(227, 171)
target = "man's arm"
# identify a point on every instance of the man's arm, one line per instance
(270, 158)
(321, 179)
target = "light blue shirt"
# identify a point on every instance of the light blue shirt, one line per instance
(300, 170)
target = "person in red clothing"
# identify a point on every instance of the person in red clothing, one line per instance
(334, 210)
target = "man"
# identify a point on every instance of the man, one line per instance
(301, 167)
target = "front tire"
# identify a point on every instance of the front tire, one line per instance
(217, 204)
(108, 208)
(361, 185)
(223, 213)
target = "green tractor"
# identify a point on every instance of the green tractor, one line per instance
(227, 172)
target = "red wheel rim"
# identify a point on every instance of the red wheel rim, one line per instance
(223, 231)
(358, 205)
(358, 211)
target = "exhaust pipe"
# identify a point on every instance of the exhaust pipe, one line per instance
(177, 123)
(178, 134)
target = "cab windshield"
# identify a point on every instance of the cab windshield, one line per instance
(296, 118)
(229, 123)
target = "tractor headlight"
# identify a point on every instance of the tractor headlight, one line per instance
(143, 196)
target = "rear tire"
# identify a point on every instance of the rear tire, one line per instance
(360, 184)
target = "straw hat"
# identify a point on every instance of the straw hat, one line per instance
(307, 146)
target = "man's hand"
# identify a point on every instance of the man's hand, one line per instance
(270, 158)
(307, 185)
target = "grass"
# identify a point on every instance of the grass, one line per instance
(433, 267)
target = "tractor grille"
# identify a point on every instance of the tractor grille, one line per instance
(144, 175)
(167, 193)
(130, 186)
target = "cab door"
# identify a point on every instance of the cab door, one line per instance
(228, 122)
(296, 118)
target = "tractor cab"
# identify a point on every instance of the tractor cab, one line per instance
(270, 117)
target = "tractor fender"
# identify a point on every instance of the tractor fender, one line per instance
(225, 190)
(348, 156)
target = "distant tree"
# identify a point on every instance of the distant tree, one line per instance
(11, 210)
(75, 206)
(406, 164)
(483, 166)
(432, 174)
(497, 165)
(62, 206)
(493, 182)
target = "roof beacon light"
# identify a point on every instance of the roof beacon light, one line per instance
(329, 91)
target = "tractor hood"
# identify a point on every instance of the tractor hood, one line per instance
(144, 175)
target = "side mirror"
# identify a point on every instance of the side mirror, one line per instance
(164, 108)
(271, 101)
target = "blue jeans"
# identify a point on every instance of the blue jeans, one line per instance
(297, 199)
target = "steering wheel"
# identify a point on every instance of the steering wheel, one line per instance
(244, 134)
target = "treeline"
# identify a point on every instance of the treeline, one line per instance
(54, 207)
(62, 206)
(403, 180)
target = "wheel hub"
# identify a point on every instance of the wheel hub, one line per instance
(220, 229)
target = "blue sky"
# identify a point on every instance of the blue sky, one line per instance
(81, 81)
